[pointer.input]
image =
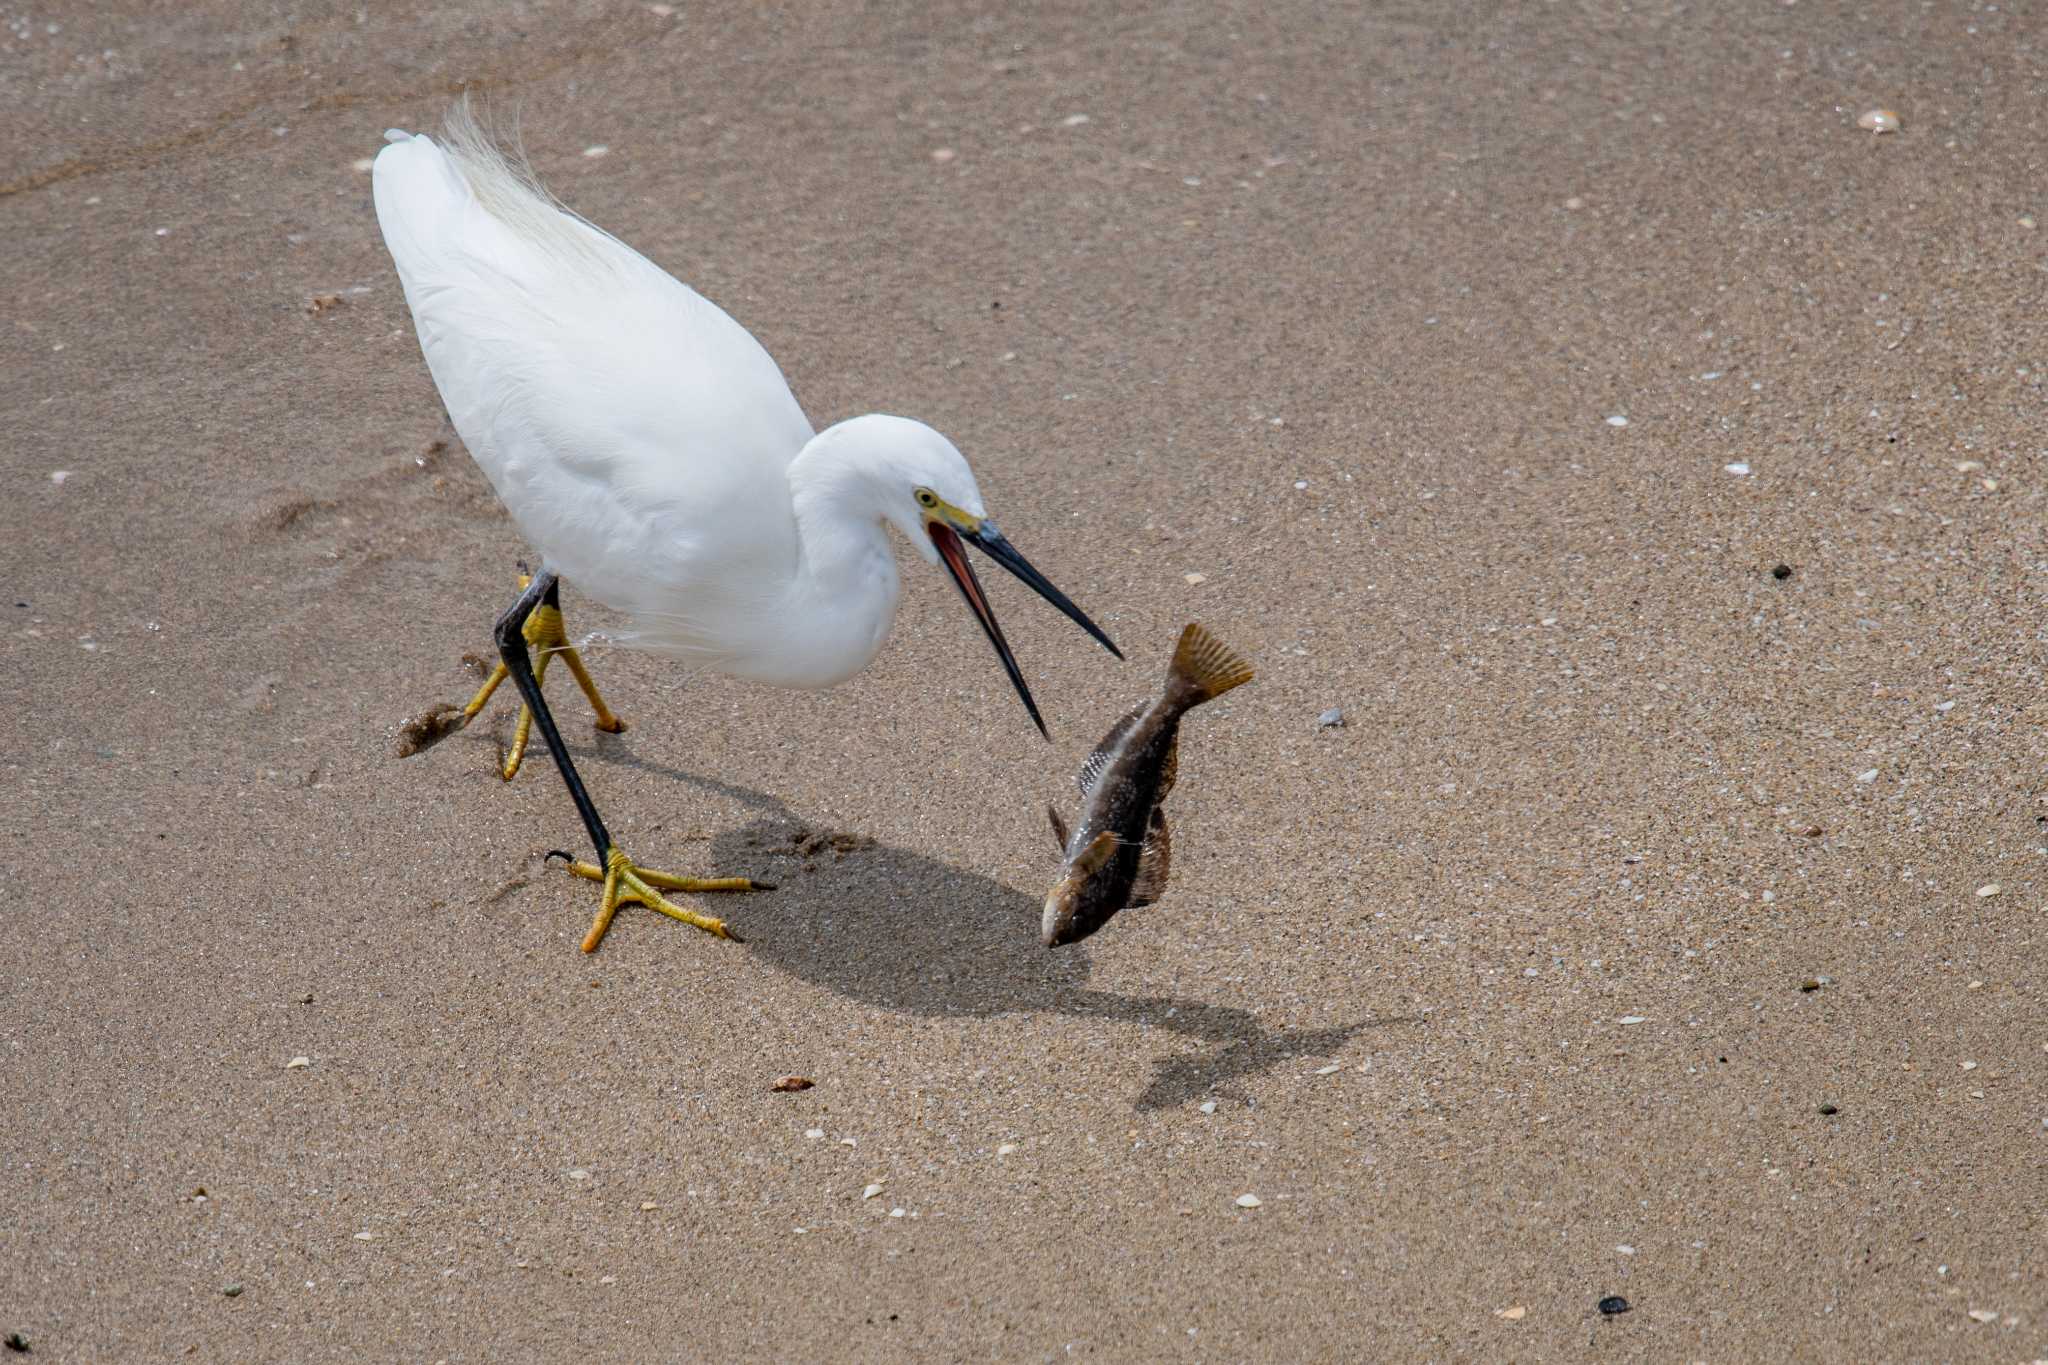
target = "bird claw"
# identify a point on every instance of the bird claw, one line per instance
(628, 884)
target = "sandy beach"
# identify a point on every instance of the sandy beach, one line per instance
(1643, 458)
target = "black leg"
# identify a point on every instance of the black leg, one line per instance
(546, 587)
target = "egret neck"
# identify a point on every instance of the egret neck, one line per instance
(845, 586)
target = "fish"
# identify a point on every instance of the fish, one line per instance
(1118, 855)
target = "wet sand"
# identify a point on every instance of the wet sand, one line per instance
(1492, 995)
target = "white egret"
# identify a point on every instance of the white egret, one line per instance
(652, 452)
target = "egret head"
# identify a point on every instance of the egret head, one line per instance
(929, 494)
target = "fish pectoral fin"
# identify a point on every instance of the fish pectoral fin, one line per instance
(1059, 826)
(1096, 856)
(1155, 862)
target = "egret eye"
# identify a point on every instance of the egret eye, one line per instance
(927, 498)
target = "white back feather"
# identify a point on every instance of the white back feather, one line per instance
(495, 165)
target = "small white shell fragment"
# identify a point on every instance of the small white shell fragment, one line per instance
(1988, 890)
(1073, 120)
(58, 476)
(1617, 420)
(366, 1237)
(607, 1279)
(648, 1206)
(1878, 121)
(1633, 1019)
(1195, 580)
(1249, 1201)
(579, 1174)
(848, 1142)
(943, 154)
(1969, 1066)
(897, 1213)
(1006, 1149)
(1329, 1070)
(814, 1133)
(1208, 1106)
(596, 150)
(1515, 1314)
(661, 11)
(295, 1063)
(871, 1191)
(362, 164)
(1626, 1250)
(1867, 775)
(1983, 1315)
(1738, 468)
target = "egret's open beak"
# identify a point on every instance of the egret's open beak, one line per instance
(985, 537)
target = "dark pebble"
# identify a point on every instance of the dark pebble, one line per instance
(17, 1342)
(1782, 572)
(1829, 1109)
(233, 1291)
(1613, 1305)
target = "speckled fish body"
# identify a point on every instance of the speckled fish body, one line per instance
(1117, 856)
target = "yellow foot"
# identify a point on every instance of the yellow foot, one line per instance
(626, 884)
(546, 638)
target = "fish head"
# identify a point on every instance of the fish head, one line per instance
(1087, 894)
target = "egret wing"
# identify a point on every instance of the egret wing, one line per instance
(636, 433)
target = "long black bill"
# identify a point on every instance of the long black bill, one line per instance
(991, 542)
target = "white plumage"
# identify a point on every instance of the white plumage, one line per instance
(644, 442)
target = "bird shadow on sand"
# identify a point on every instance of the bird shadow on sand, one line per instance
(894, 930)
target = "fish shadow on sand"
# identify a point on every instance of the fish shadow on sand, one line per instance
(892, 929)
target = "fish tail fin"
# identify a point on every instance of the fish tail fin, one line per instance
(1204, 668)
